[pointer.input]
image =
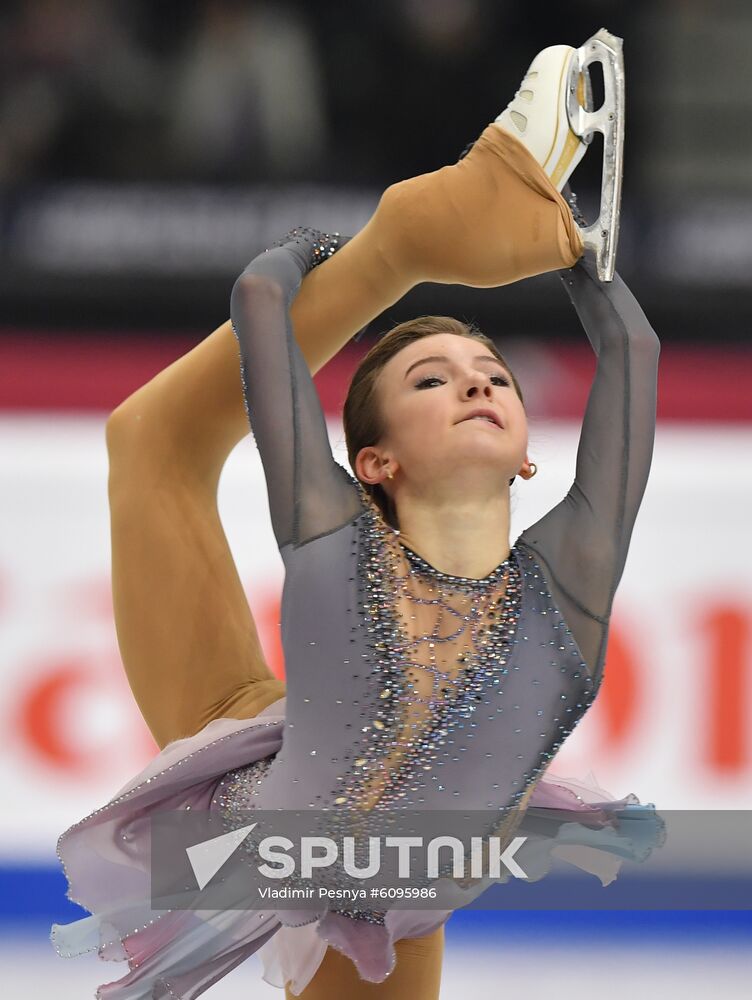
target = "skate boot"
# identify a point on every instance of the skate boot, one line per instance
(552, 115)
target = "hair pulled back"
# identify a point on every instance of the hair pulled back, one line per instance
(362, 416)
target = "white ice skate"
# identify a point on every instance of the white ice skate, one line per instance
(552, 115)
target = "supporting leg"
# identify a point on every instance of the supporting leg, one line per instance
(416, 976)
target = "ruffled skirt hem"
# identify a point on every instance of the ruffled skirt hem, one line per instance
(178, 954)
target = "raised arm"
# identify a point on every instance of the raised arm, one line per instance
(309, 493)
(583, 541)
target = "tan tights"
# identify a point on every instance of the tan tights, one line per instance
(416, 974)
(187, 638)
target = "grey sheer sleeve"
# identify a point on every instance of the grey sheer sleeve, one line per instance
(582, 542)
(309, 493)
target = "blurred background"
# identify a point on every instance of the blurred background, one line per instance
(147, 153)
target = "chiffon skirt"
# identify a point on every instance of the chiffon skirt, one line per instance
(181, 953)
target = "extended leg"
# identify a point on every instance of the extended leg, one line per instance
(490, 219)
(186, 634)
(187, 638)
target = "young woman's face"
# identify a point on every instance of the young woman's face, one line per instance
(428, 395)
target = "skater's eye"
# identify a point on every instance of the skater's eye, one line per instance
(424, 382)
(499, 380)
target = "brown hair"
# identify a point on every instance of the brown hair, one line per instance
(362, 417)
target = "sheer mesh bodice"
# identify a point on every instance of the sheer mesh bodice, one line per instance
(441, 640)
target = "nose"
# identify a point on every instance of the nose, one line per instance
(476, 384)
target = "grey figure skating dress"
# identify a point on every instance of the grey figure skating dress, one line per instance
(408, 688)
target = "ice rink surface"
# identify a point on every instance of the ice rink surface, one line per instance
(689, 964)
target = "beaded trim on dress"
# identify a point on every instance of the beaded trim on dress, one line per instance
(435, 641)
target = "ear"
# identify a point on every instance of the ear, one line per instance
(372, 465)
(526, 472)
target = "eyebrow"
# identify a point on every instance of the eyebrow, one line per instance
(443, 357)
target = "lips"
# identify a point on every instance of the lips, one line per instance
(489, 415)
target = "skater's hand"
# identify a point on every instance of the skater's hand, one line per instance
(316, 245)
(571, 199)
(290, 258)
(586, 263)
(308, 240)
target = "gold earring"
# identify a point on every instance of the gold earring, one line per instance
(389, 475)
(533, 469)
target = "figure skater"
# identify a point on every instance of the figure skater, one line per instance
(429, 664)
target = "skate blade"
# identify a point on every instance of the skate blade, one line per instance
(603, 235)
